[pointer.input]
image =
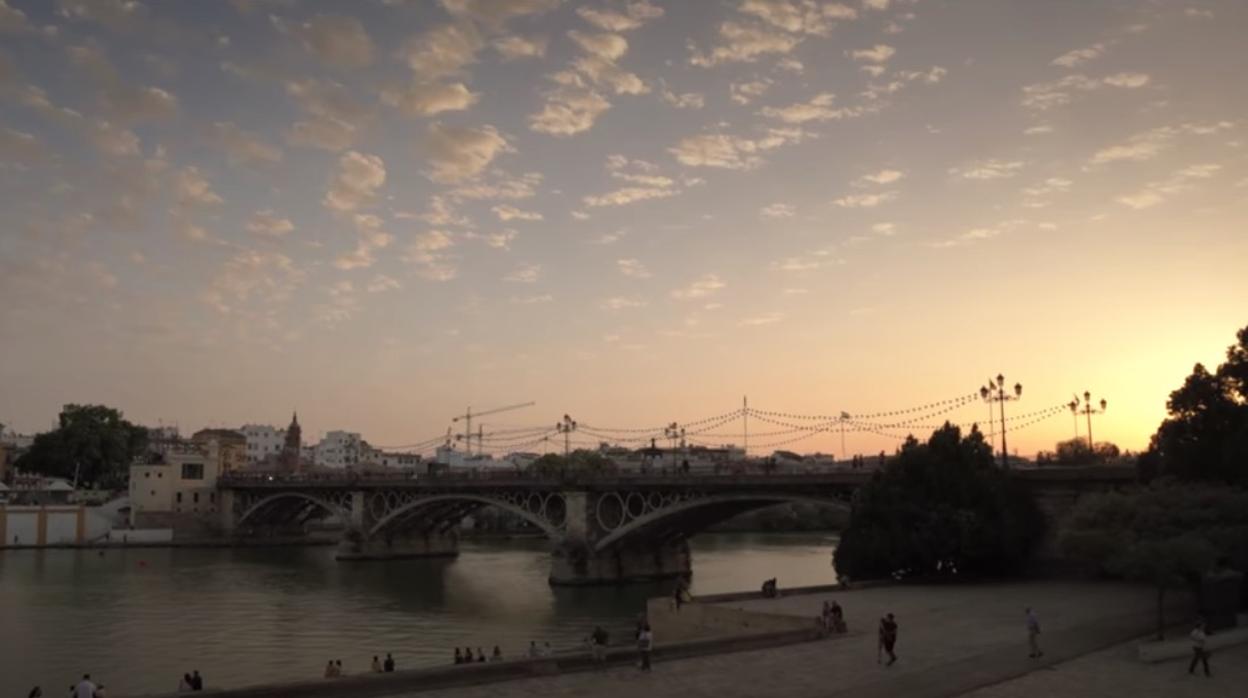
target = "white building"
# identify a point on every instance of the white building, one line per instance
(263, 441)
(183, 481)
(341, 449)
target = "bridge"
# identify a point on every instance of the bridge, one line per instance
(603, 528)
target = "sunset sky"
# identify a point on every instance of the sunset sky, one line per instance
(379, 213)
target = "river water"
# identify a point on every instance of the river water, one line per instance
(138, 619)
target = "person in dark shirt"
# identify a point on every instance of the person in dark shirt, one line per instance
(888, 637)
(388, 665)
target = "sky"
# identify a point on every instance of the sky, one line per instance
(380, 213)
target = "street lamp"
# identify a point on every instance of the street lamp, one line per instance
(1089, 410)
(1074, 413)
(674, 431)
(566, 427)
(995, 392)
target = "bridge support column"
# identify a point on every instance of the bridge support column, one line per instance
(225, 504)
(576, 564)
(358, 546)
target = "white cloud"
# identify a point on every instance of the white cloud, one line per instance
(633, 268)
(531, 300)
(627, 195)
(884, 229)
(881, 177)
(819, 108)
(569, 109)
(1197, 13)
(988, 169)
(743, 43)
(635, 14)
(621, 302)
(356, 183)
(426, 99)
(731, 152)
(253, 277)
(499, 185)
(381, 283)
(1143, 199)
(458, 153)
(443, 51)
(1073, 58)
(796, 264)
(1037, 130)
(510, 213)
(778, 210)
(336, 117)
(686, 100)
(500, 240)
(1182, 180)
(244, 147)
(703, 286)
(268, 223)
(798, 16)
(745, 92)
(426, 252)
(865, 200)
(494, 14)
(371, 237)
(1127, 80)
(524, 274)
(12, 20)
(790, 64)
(513, 48)
(190, 188)
(880, 53)
(606, 46)
(759, 320)
(599, 65)
(1149, 144)
(338, 41)
(877, 5)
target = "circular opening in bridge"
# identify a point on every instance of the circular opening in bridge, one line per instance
(377, 505)
(636, 505)
(610, 512)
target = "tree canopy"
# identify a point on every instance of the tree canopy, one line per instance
(940, 508)
(1167, 534)
(1077, 452)
(579, 461)
(93, 442)
(1205, 436)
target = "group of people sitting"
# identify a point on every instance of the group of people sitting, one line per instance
(769, 589)
(333, 668)
(466, 657)
(191, 682)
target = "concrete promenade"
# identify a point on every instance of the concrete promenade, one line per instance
(953, 640)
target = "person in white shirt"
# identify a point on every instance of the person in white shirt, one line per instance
(645, 643)
(1199, 653)
(1033, 634)
(85, 689)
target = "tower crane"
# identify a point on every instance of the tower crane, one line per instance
(469, 414)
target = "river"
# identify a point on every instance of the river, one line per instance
(138, 619)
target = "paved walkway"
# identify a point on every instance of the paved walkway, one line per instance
(953, 639)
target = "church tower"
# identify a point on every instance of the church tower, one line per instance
(291, 457)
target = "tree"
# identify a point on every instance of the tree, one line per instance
(940, 508)
(579, 461)
(1167, 534)
(1077, 452)
(91, 443)
(1205, 436)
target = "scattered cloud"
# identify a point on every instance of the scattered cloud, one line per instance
(1180, 181)
(704, 286)
(507, 212)
(819, 108)
(427, 99)
(745, 92)
(884, 229)
(759, 320)
(1149, 144)
(988, 169)
(865, 200)
(244, 147)
(1042, 96)
(731, 152)
(458, 153)
(1127, 80)
(382, 283)
(191, 188)
(685, 100)
(621, 303)
(531, 300)
(269, 224)
(339, 41)
(1078, 56)
(881, 177)
(524, 274)
(513, 48)
(880, 53)
(744, 43)
(427, 252)
(356, 183)
(443, 51)
(634, 15)
(633, 268)
(778, 210)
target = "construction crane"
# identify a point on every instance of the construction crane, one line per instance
(469, 414)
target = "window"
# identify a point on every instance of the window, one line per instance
(195, 497)
(147, 474)
(179, 497)
(192, 471)
(160, 474)
(212, 497)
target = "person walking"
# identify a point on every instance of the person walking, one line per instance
(498, 654)
(534, 652)
(184, 686)
(84, 688)
(645, 644)
(888, 637)
(376, 667)
(480, 655)
(388, 666)
(459, 657)
(1033, 635)
(1199, 653)
(330, 669)
(197, 681)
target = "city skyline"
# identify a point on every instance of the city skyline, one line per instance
(380, 213)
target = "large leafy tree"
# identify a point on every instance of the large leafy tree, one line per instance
(940, 508)
(1166, 535)
(91, 442)
(1205, 436)
(579, 461)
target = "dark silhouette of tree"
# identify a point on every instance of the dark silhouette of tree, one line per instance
(578, 461)
(1205, 437)
(1167, 534)
(92, 442)
(1077, 452)
(940, 508)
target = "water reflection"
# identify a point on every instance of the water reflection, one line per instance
(139, 619)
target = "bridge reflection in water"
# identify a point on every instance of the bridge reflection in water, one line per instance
(603, 528)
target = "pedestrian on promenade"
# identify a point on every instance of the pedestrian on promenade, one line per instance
(534, 652)
(337, 668)
(598, 644)
(480, 655)
(547, 650)
(197, 681)
(184, 686)
(645, 644)
(84, 688)
(1199, 653)
(35, 692)
(838, 617)
(459, 658)
(1033, 634)
(376, 665)
(389, 664)
(888, 637)
(497, 656)
(330, 670)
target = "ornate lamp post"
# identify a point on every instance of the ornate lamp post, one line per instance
(566, 426)
(675, 432)
(995, 392)
(1089, 410)
(1074, 412)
